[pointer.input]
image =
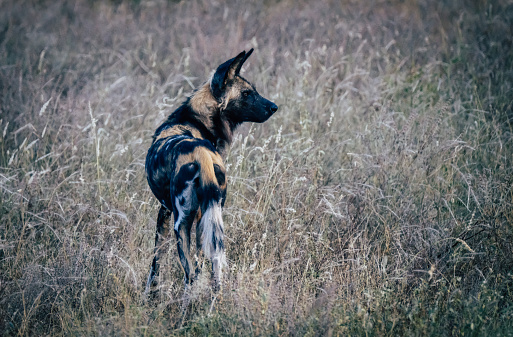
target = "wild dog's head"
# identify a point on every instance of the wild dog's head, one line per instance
(239, 100)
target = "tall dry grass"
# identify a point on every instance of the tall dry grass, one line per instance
(377, 201)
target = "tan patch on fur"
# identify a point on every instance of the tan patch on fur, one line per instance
(204, 103)
(176, 131)
(206, 159)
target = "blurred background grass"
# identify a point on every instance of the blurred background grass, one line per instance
(377, 201)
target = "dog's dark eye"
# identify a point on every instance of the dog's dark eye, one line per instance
(246, 93)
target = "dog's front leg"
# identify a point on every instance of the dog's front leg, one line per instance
(183, 243)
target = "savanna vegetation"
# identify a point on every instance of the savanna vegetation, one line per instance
(377, 201)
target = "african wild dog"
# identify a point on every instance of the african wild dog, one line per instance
(185, 170)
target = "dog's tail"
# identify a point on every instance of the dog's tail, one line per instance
(211, 197)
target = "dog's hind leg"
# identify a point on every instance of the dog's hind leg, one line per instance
(161, 245)
(183, 243)
(185, 208)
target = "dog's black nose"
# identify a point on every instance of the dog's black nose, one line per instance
(273, 108)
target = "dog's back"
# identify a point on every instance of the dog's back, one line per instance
(178, 142)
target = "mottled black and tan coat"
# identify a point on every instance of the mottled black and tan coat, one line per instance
(185, 170)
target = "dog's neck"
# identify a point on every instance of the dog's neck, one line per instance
(208, 112)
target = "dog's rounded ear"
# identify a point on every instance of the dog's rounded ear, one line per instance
(226, 72)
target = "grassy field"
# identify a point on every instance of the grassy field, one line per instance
(378, 201)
